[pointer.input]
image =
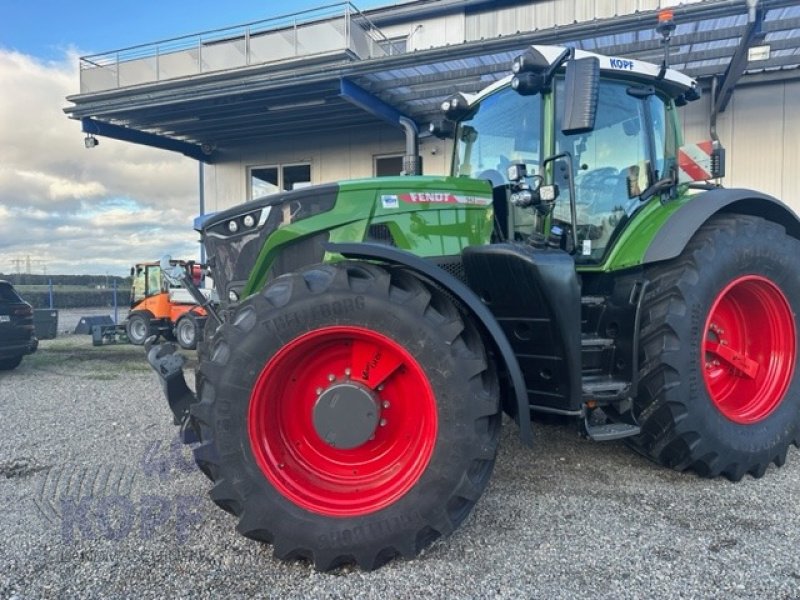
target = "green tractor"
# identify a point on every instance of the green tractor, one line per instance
(579, 261)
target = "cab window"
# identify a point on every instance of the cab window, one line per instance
(505, 128)
(612, 164)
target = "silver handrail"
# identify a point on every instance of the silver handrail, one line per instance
(146, 63)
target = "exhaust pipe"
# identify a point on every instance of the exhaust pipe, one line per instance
(412, 161)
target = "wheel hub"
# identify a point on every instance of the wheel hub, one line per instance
(345, 415)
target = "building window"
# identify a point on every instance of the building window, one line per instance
(394, 45)
(386, 166)
(266, 180)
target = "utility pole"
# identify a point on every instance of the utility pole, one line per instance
(17, 262)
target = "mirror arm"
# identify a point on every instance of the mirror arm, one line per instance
(659, 186)
(562, 58)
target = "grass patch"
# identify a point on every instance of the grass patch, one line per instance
(76, 354)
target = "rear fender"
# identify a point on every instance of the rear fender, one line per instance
(490, 326)
(676, 232)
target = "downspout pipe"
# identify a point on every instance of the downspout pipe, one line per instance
(412, 162)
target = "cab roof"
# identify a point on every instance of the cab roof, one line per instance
(674, 83)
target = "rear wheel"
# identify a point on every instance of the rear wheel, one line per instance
(8, 364)
(349, 414)
(719, 388)
(186, 331)
(138, 328)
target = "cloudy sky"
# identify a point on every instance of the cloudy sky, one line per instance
(73, 210)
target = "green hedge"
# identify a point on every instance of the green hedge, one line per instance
(78, 299)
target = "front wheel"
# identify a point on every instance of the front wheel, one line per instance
(138, 328)
(720, 391)
(349, 414)
(186, 331)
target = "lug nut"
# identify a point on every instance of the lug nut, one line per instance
(331, 377)
(319, 391)
(386, 404)
(383, 422)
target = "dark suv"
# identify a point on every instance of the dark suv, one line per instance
(16, 328)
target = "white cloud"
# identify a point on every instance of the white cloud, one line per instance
(79, 210)
(60, 188)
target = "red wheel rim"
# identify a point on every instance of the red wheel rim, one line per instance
(304, 467)
(749, 350)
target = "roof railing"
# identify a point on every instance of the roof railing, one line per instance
(333, 31)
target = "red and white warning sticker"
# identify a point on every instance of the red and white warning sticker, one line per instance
(694, 162)
(392, 200)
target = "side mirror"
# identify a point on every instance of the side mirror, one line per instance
(581, 90)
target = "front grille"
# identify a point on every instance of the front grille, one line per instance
(455, 267)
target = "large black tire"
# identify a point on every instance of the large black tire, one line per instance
(208, 468)
(138, 328)
(187, 332)
(8, 364)
(449, 415)
(729, 299)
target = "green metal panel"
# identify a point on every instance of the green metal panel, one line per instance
(629, 249)
(429, 216)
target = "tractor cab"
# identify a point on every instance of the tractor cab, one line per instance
(598, 135)
(147, 282)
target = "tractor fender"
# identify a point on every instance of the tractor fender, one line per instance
(426, 268)
(142, 311)
(673, 236)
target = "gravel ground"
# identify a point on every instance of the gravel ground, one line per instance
(100, 501)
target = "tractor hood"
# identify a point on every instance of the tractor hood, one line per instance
(250, 243)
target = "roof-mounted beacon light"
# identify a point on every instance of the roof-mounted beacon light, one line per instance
(665, 27)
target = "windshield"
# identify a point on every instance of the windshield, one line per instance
(505, 128)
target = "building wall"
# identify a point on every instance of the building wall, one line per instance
(333, 156)
(759, 130)
(531, 16)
